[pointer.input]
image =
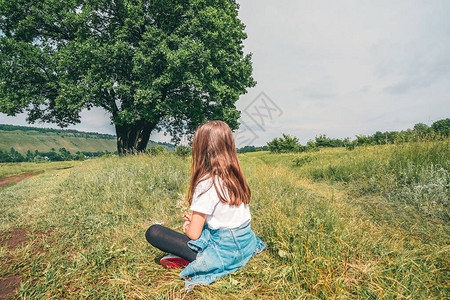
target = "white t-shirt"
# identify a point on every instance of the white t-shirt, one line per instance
(218, 214)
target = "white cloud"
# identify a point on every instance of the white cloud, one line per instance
(341, 68)
(350, 67)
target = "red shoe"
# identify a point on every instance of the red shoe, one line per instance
(173, 262)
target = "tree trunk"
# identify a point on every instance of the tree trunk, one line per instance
(133, 138)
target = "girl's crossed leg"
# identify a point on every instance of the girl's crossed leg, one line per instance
(170, 241)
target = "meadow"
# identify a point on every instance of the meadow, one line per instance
(368, 223)
(23, 141)
(23, 138)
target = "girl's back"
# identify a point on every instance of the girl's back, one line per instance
(218, 214)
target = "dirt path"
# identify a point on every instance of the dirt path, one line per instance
(16, 178)
(9, 285)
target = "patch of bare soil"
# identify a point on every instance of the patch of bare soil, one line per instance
(19, 236)
(9, 286)
(14, 239)
(16, 178)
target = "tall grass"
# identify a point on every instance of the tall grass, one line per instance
(332, 248)
(323, 242)
(410, 174)
(377, 167)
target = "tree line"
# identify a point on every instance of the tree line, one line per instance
(438, 130)
(64, 155)
(246, 149)
(61, 155)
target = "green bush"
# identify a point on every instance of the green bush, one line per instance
(285, 144)
(183, 151)
(302, 160)
(442, 127)
(157, 150)
(351, 145)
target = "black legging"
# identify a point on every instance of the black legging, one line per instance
(170, 241)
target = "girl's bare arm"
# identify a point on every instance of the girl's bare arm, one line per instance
(194, 229)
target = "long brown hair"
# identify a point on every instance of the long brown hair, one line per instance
(214, 155)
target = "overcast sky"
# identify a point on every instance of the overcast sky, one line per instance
(338, 68)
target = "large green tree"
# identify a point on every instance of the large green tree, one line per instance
(152, 64)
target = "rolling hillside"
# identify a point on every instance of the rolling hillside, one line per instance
(23, 138)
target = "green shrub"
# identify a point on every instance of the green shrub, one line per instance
(285, 144)
(351, 145)
(183, 151)
(302, 160)
(157, 150)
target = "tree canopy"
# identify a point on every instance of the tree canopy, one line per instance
(153, 65)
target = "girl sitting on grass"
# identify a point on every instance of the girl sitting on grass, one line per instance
(218, 238)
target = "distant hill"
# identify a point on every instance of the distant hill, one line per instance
(23, 138)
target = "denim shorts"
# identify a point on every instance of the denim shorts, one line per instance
(220, 252)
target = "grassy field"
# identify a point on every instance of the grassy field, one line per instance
(44, 142)
(368, 223)
(23, 141)
(9, 169)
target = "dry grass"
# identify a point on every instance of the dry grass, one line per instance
(326, 238)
